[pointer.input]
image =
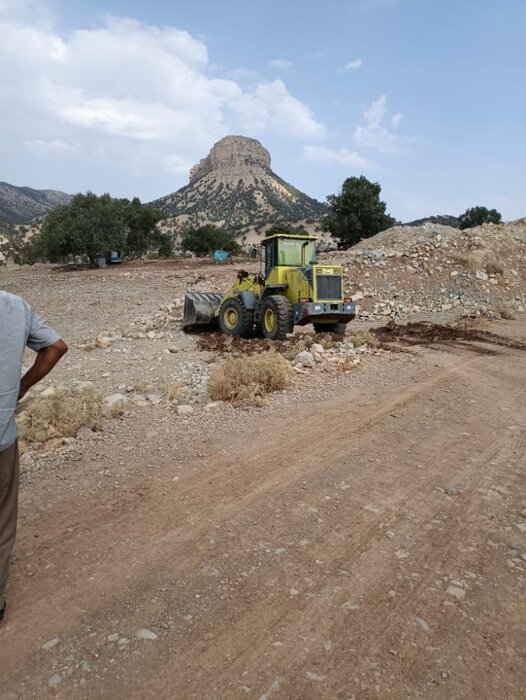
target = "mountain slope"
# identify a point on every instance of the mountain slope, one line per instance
(441, 219)
(19, 205)
(234, 186)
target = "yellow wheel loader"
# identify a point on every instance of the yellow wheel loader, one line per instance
(291, 290)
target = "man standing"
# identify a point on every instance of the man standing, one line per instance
(20, 326)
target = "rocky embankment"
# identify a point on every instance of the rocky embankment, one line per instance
(428, 269)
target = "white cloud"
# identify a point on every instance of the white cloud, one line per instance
(45, 146)
(271, 105)
(353, 65)
(280, 63)
(124, 90)
(342, 157)
(396, 119)
(375, 135)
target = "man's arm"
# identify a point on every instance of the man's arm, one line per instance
(46, 359)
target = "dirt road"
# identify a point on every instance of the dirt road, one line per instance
(369, 545)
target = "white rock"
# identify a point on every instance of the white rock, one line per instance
(458, 593)
(115, 399)
(82, 385)
(55, 680)
(317, 347)
(314, 677)
(423, 624)
(212, 405)
(481, 275)
(184, 409)
(50, 644)
(84, 433)
(305, 358)
(144, 633)
(50, 391)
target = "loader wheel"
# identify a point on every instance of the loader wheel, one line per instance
(234, 319)
(277, 317)
(337, 328)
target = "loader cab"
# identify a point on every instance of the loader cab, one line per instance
(288, 250)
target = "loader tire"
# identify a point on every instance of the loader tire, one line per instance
(277, 317)
(235, 319)
(337, 328)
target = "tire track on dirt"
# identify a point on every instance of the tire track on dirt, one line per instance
(253, 488)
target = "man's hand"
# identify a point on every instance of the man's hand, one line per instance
(21, 393)
(46, 359)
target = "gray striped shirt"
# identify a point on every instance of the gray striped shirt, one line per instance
(20, 326)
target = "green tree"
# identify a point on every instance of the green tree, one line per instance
(166, 246)
(284, 227)
(90, 226)
(141, 227)
(476, 216)
(28, 252)
(357, 212)
(204, 240)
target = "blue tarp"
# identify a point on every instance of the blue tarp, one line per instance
(221, 255)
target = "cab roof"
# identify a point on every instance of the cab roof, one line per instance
(293, 236)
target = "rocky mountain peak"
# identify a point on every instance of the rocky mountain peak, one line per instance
(232, 152)
(234, 187)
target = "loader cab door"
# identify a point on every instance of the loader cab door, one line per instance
(271, 255)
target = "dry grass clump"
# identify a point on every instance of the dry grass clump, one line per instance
(61, 415)
(494, 268)
(248, 379)
(506, 311)
(361, 336)
(142, 386)
(463, 261)
(170, 390)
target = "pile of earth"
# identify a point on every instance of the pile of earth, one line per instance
(459, 334)
(405, 271)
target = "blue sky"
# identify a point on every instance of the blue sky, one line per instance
(426, 97)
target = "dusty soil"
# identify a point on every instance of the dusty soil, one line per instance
(362, 536)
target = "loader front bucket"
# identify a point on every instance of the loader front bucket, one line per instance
(200, 309)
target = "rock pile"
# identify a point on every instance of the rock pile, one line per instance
(342, 353)
(432, 268)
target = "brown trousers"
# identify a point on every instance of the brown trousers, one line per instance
(8, 510)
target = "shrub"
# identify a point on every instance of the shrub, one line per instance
(476, 216)
(61, 415)
(361, 336)
(170, 390)
(495, 268)
(248, 379)
(506, 312)
(463, 261)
